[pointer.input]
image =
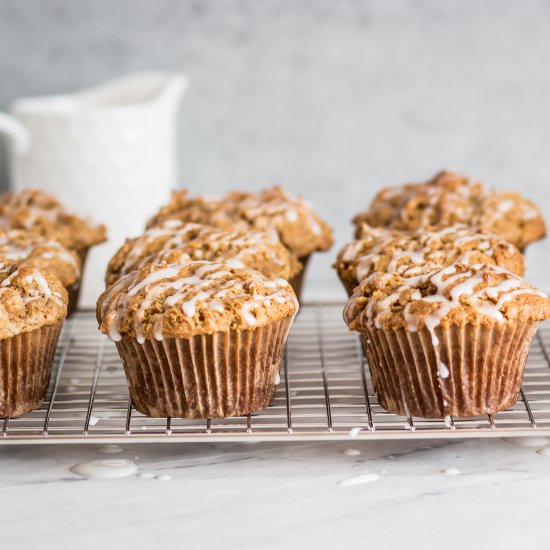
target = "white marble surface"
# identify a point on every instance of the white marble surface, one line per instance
(272, 496)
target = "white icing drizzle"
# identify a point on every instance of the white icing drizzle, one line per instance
(271, 210)
(455, 286)
(18, 246)
(31, 294)
(180, 241)
(419, 252)
(447, 198)
(164, 284)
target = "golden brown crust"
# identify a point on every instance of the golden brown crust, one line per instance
(414, 253)
(450, 198)
(29, 299)
(179, 301)
(178, 242)
(292, 219)
(35, 210)
(457, 294)
(31, 249)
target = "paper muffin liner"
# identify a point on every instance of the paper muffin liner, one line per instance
(205, 376)
(297, 282)
(74, 290)
(474, 370)
(25, 369)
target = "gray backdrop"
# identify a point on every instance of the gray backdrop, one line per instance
(331, 99)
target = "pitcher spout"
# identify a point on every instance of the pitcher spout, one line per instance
(138, 90)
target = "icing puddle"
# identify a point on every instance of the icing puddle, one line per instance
(106, 468)
(351, 452)
(451, 472)
(110, 449)
(358, 480)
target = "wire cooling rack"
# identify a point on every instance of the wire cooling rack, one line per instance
(325, 393)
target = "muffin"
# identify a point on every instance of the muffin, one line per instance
(452, 342)
(36, 211)
(32, 250)
(450, 198)
(198, 340)
(410, 254)
(180, 242)
(33, 307)
(291, 219)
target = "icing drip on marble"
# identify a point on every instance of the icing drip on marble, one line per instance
(109, 468)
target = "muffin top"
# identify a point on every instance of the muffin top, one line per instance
(32, 250)
(291, 219)
(422, 251)
(177, 242)
(457, 294)
(450, 198)
(35, 210)
(30, 298)
(182, 300)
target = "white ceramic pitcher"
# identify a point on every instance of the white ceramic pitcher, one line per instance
(108, 153)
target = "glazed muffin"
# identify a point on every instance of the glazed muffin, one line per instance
(198, 340)
(32, 250)
(291, 219)
(36, 211)
(33, 307)
(410, 254)
(452, 342)
(450, 198)
(179, 242)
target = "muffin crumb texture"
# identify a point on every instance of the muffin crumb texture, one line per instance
(182, 300)
(29, 299)
(34, 210)
(410, 254)
(290, 219)
(451, 198)
(32, 250)
(177, 242)
(457, 294)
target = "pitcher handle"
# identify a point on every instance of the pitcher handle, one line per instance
(19, 135)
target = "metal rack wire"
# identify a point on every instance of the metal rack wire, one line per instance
(325, 394)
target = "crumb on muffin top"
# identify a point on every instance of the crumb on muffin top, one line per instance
(30, 298)
(33, 250)
(457, 294)
(451, 198)
(181, 300)
(178, 242)
(414, 253)
(291, 219)
(32, 209)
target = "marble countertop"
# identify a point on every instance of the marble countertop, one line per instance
(445, 494)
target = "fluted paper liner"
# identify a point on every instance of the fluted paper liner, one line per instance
(205, 376)
(25, 369)
(297, 282)
(485, 363)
